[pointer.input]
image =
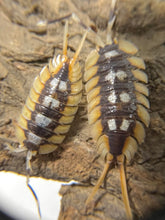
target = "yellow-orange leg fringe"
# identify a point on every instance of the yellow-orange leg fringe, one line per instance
(101, 179)
(124, 190)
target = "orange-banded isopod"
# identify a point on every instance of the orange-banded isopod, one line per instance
(117, 103)
(51, 105)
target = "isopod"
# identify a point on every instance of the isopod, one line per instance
(51, 105)
(117, 104)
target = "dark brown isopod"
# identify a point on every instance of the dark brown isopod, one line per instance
(117, 104)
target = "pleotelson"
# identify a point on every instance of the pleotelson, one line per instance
(117, 98)
(51, 106)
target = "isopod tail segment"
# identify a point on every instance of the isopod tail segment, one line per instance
(51, 106)
(117, 104)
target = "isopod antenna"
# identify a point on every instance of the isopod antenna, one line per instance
(28, 170)
(112, 17)
(65, 40)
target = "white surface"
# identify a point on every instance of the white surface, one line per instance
(17, 200)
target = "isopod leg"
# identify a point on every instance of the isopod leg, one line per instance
(28, 169)
(124, 188)
(101, 179)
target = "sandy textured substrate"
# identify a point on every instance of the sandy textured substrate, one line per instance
(25, 49)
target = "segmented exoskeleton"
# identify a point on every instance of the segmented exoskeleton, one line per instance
(117, 103)
(51, 105)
